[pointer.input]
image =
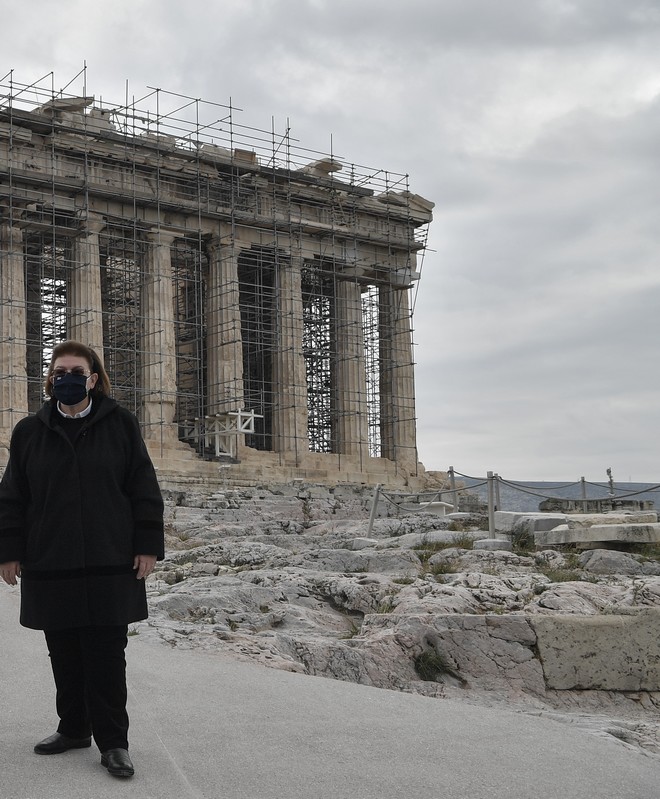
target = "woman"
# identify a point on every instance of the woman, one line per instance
(81, 523)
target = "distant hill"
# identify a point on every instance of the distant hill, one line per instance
(520, 496)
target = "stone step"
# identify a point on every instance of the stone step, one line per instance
(507, 521)
(590, 537)
(591, 519)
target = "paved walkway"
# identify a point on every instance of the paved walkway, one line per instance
(203, 725)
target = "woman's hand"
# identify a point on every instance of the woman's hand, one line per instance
(11, 570)
(144, 565)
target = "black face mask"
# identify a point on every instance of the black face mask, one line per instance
(70, 389)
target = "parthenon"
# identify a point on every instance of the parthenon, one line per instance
(251, 299)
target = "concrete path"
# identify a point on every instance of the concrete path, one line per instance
(205, 726)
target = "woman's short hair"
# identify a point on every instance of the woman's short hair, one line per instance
(102, 387)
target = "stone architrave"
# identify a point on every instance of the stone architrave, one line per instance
(350, 379)
(85, 308)
(397, 380)
(290, 435)
(223, 330)
(13, 383)
(158, 345)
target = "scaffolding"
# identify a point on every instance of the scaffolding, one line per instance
(225, 273)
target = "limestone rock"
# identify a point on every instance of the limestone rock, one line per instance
(508, 521)
(361, 543)
(365, 560)
(410, 607)
(498, 562)
(494, 544)
(588, 537)
(576, 521)
(578, 598)
(429, 538)
(609, 561)
(601, 652)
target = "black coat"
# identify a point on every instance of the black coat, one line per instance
(75, 513)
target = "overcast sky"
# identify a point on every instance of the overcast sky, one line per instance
(534, 126)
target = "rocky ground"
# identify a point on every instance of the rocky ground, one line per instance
(294, 580)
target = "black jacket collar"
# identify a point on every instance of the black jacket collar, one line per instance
(103, 407)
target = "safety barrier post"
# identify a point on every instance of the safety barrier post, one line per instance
(491, 504)
(452, 483)
(374, 506)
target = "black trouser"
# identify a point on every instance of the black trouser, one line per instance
(89, 666)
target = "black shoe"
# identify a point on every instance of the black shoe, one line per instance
(118, 762)
(57, 743)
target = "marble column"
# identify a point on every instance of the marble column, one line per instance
(158, 344)
(290, 435)
(84, 306)
(223, 330)
(350, 380)
(397, 378)
(13, 353)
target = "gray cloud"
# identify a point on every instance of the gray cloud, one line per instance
(533, 125)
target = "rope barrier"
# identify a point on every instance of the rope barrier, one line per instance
(467, 476)
(608, 496)
(526, 489)
(518, 483)
(631, 493)
(385, 497)
(516, 486)
(427, 497)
